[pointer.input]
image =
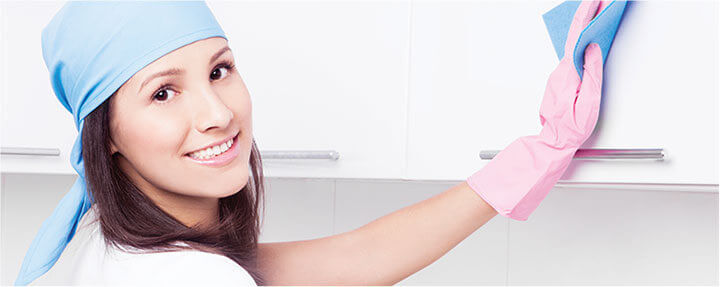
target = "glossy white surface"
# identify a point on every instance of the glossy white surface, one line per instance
(478, 75)
(416, 89)
(324, 76)
(31, 115)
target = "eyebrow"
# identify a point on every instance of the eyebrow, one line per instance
(178, 71)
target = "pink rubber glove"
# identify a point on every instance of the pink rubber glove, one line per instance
(519, 177)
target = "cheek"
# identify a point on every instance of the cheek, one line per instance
(238, 100)
(153, 139)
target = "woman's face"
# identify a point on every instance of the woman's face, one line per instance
(160, 125)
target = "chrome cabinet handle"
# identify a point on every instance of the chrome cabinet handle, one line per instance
(29, 151)
(603, 153)
(322, 154)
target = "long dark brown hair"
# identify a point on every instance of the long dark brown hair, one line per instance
(128, 218)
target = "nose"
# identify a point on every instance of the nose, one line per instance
(210, 111)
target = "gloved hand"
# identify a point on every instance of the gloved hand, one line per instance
(519, 177)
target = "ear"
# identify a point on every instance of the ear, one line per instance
(113, 148)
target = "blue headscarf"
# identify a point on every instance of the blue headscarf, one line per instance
(91, 49)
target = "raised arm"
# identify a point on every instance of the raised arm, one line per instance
(384, 251)
(393, 247)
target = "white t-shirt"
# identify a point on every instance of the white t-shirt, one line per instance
(98, 264)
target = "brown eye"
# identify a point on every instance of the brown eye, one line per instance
(228, 66)
(162, 95)
(216, 74)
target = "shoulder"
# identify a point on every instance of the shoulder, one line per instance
(202, 268)
(99, 264)
(193, 267)
(105, 265)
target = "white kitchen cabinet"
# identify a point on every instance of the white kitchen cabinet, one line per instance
(324, 76)
(32, 117)
(416, 89)
(478, 75)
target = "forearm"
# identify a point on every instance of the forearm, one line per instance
(384, 251)
(397, 245)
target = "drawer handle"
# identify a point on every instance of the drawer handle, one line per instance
(602, 153)
(29, 151)
(323, 154)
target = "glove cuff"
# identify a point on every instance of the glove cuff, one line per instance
(518, 178)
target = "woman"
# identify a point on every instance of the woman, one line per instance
(165, 153)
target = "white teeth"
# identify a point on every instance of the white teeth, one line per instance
(212, 151)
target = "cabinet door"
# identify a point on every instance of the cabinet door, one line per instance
(324, 76)
(32, 117)
(479, 71)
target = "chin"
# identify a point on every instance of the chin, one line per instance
(236, 185)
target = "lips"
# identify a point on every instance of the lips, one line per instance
(218, 160)
(212, 149)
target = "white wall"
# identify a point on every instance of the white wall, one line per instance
(576, 236)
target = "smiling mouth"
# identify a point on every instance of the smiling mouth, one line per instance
(214, 151)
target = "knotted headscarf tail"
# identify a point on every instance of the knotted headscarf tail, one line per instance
(90, 49)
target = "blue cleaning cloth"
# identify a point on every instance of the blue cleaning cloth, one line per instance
(90, 49)
(600, 30)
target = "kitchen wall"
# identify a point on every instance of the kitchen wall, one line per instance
(578, 236)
